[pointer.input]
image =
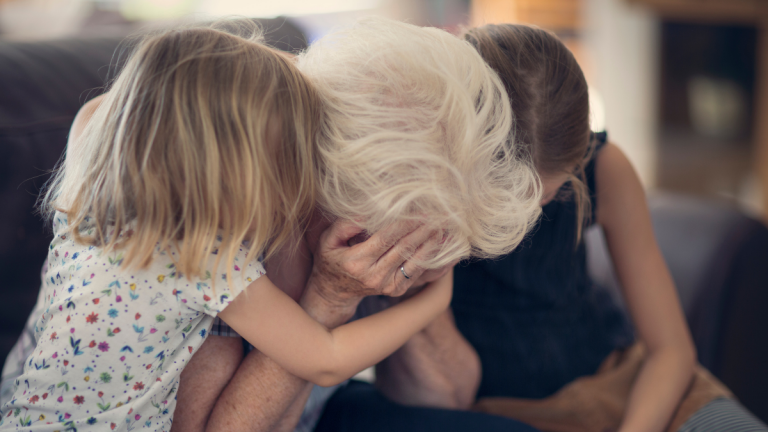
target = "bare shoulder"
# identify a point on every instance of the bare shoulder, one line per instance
(617, 185)
(84, 116)
(612, 161)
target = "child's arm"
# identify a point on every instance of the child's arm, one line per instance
(649, 292)
(262, 396)
(277, 326)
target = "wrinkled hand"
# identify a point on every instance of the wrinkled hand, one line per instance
(429, 275)
(426, 277)
(345, 270)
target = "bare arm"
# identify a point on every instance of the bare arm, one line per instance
(278, 327)
(81, 119)
(436, 368)
(650, 294)
(262, 396)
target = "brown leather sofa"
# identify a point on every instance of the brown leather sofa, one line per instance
(717, 255)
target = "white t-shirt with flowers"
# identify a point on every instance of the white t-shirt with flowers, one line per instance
(111, 343)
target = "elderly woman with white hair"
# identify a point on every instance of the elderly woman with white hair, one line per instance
(417, 129)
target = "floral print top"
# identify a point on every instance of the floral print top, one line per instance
(111, 343)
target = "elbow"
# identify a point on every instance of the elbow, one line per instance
(466, 394)
(454, 389)
(462, 403)
(691, 356)
(329, 372)
(453, 399)
(686, 353)
(443, 395)
(466, 383)
(328, 378)
(688, 359)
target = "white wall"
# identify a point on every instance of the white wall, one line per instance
(42, 19)
(621, 44)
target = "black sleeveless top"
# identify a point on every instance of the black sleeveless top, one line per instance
(533, 316)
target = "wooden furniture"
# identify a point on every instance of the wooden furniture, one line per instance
(724, 12)
(565, 17)
(561, 16)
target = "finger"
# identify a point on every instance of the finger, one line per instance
(427, 251)
(401, 284)
(384, 239)
(405, 248)
(430, 248)
(409, 273)
(339, 233)
(398, 284)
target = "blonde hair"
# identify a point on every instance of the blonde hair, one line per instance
(417, 126)
(206, 132)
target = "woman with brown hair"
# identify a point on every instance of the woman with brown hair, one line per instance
(550, 321)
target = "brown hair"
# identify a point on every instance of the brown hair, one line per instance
(205, 132)
(549, 98)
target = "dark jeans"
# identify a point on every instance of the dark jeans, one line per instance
(359, 407)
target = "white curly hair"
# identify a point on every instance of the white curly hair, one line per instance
(418, 126)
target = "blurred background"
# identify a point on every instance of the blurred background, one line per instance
(677, 83)
(680, 85)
